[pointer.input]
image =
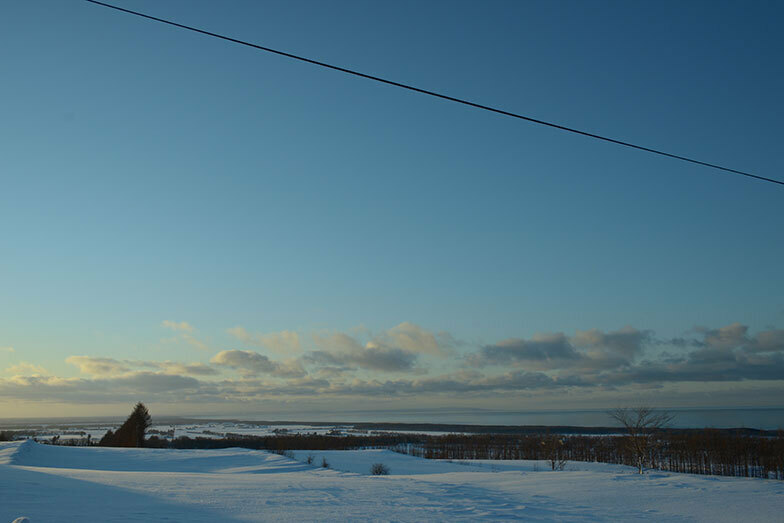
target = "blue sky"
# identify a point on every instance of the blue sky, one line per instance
(152, 175)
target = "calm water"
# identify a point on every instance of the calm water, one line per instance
(758, 418)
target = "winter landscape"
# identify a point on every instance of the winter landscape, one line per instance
(376, 260)
(48, 483)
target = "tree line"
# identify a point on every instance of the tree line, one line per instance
(645, 443)
(706, 451)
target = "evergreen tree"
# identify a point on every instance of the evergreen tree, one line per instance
(131, 433)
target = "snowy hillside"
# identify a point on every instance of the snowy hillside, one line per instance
(47, 483)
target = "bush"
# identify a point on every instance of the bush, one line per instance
(379, 469)
(309, 459)
(324, 463)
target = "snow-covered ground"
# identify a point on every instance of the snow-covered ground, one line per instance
(49, 483)
(207, 429)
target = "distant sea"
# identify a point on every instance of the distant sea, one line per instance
(769, 418)
(757, 418)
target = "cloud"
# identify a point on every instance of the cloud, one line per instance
(590, 361)
(24, 367)
(628, 341)
(589, 349)
(460, 383)
(542, 351)
(729, 337)
(389, 359)
(187, 369)
(767, 341)
(393, 350)
(283, 342)
(182, 326)
(98, 366)
(7, 349)
(412, 338)
(345, 352)
(111, 367)
(251, 363)
(158, 387)
(338, 342)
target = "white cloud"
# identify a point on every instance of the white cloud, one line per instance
(26, 368)
(283, 342)
(249, 363)
(111, 367)
(98, 366)
(412, 338)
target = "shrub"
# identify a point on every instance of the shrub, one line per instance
(324, 463)
(309, 459)
(379, 469)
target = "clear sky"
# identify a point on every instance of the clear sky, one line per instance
(211, 229)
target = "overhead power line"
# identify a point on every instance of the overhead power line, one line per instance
(439, 95)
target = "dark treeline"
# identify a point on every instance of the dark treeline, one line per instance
(281, 442)
(698, 452)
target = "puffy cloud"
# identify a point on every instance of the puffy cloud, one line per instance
(696, 368)
(338, 342)
(345, 352)
(162, 387)
(393, 350)
(767, 341)
(412, 338)
(182, 326)
(628, 341)
(547, 351)
(589, 361)
(98, 366)
(24, 367)
(283, 342)
(187, 369)
(251, 363)
(389, 359)
(729, 337)
(112, 367)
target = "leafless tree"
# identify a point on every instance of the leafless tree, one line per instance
(553, 446)
(642, 425)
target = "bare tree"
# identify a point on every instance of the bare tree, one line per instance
(642, 425)
(553, 446)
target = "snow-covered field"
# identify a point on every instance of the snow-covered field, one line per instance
(50, 483)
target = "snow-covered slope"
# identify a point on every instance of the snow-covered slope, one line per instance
(48, 483)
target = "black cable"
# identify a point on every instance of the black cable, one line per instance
(438, 95)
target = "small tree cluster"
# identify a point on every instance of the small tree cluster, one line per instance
(379, 469)
(131, 433)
